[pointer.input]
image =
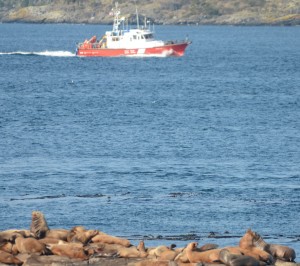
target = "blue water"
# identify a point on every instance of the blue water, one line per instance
(166, 149)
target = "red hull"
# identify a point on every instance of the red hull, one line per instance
(174, 49)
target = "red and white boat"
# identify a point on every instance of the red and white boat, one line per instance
(130, 42)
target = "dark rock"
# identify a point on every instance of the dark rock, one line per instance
(53, 260)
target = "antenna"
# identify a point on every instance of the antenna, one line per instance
(137, 16)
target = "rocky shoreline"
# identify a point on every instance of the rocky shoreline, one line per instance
(249, 16)
(41, 245)
(290, 21)
(63, 261)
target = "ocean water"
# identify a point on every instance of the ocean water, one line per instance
(200, 147)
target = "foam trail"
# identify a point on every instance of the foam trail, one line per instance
(44, 53)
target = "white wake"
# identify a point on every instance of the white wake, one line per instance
(44, 53)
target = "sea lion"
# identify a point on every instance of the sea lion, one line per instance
(8, 235)
(28, 245)
(80, 234)
(247, 239)
(258, 254)
(49, 240)
(74, 231)
(131, 252)
(6, 246)
(277, 251)
(8, 258)
(181, 253)
(170, 254)
(248, 248)
(181, 257)
(69, 250)
(157, 251)
(234, 250)
(230, 259)
(104, 238)
(103, 250)
(58, 234)
(164, 252)
(61, 242)
(39, 226)
(40, 229)
(208, 256)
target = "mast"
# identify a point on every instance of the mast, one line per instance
(137, 16)
(116, 13)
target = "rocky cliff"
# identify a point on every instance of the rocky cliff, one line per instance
(232, 12)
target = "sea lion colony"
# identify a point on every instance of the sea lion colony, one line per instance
(79, 244)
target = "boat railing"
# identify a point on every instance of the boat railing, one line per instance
(176, 42)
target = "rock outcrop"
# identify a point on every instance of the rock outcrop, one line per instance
(234, 12)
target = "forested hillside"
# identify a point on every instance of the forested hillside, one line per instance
(236, 12)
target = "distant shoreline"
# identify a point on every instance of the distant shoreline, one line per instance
(160, 24)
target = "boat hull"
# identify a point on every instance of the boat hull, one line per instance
(172, 49)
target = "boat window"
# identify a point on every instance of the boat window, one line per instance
(134, 37)
(115, 39)
(148, 36)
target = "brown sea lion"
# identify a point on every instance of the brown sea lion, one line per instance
(157, 251)
(230, 259)
(208, 256)
(247, 240)
(234, 250)
(164, 252)
(28, 245)
(49, 240)
(8, 235)
(141, 246)
(6, 246)
(182, 257)
(69, 250)
(104, 238)
(40, 229)
(248, 248)
(39, 226)
(170, 254)
(74, 231)
(58, 234)
(131, 252)
(8, 258)
(61, 242)
(103, 250)
(80, 234)
(277, 251)
(258, 254)
(181, 253)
